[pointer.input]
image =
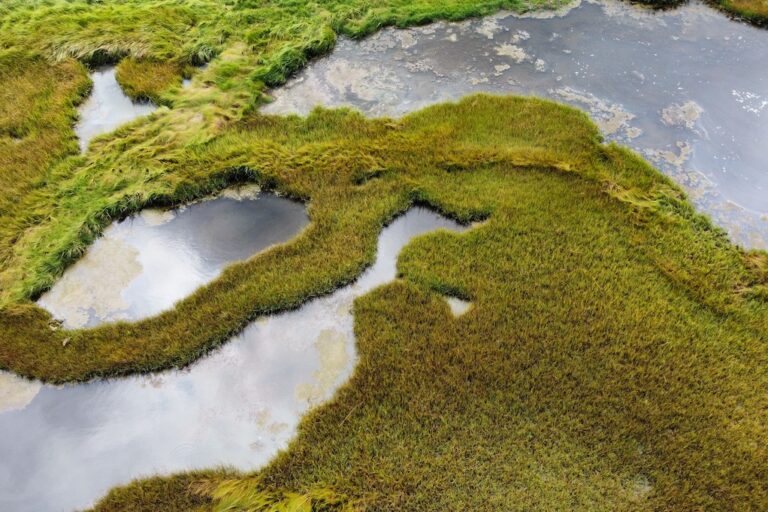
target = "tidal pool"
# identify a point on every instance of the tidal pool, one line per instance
(148, 262)
(686, 88)
(107, 107)
(237, 407)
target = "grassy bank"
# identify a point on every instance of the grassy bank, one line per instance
(615, 355)
(156, 43)
(43, 46)
(753, 11)
(36, 115)
(616, 335)
(614, 358)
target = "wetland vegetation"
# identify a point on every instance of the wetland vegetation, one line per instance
(614, 357)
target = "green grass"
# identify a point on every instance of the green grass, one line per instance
(149, 79)
(156, 42)
(750, 11)
(43, 45)
(615, 356)
(614, 359)
(753, 11)
(36, 114)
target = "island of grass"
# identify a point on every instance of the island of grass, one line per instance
(615, 355)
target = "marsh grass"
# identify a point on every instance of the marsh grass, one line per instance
(178, 493)
(256, 44)
(750, 11)
(614, 358)
(753, 11)
(143, 80)
(615, 355)
(37, 111)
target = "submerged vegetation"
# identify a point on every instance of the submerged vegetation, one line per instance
(614, 357)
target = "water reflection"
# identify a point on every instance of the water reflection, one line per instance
(458, 306)
(687, 88)
(237, 407)
(107, 107)
(145, 264)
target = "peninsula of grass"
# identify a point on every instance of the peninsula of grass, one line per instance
(615, 357)
(45, 47)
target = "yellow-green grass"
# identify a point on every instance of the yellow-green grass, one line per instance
(280, 35)
(179, 493)
(156, 42)
(36, 115)
(614, 359)
(257, 44)
(149, 79)
(754, 11)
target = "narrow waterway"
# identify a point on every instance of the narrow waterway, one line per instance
(106, 108)
(686, 88)
(63, 447)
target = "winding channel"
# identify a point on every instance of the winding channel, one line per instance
(107, 107)
(63, 447)
(686, 88)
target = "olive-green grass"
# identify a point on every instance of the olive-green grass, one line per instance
(45, 46)
(615, 355)
(614, 358)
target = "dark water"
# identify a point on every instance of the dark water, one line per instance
(145, 264)
(64, 447)
(107, 107)
(687, 88)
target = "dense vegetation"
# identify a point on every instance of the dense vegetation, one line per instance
(257, 43)
(754, 11)
(614, 358)
(615, 355)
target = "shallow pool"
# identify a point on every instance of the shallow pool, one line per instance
(145, 264)
(107, 107)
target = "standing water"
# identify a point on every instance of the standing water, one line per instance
(148, 262)
(107, 107)
(686, 88)
(70, 444)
